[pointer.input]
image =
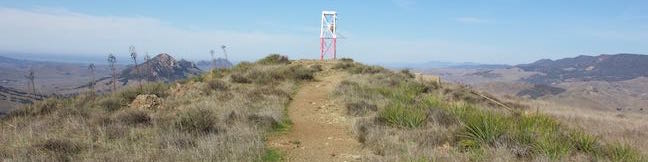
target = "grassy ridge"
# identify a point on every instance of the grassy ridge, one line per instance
(415, 119)
(222, 115)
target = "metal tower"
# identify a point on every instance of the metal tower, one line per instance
(328, 35)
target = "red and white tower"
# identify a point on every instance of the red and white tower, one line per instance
(328, 36)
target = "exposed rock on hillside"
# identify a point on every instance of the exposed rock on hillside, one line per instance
(162, 67)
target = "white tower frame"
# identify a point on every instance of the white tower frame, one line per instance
(328, 35)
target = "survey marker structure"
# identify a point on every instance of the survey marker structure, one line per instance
(328, 35)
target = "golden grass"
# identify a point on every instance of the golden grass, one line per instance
(205, 118)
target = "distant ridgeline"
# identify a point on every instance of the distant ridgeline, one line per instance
(617, 67)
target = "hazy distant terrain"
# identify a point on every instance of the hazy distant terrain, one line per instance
(67, 79)
(50, 78)
(605, 82)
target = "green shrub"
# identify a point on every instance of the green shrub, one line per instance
(403, 115)
(553, 146)
(622, 152)
(197, 121)
(128, 95)
(274, 59)
(266, 77)
(301, 73)
(271, 155)
(483, 127)
(110, 103)
(584, 142)
(364, 69)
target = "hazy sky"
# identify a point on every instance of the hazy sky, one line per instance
(493, 31)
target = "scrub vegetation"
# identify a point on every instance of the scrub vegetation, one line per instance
(404, 118)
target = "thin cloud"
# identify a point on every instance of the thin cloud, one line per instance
(61, 31)
(472, 20)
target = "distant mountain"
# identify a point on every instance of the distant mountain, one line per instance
(162, 67)
(617, 67)
(218, 63)
(440, 64)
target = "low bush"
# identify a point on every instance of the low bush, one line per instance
(44, 107)
(271, 155)
(364, 69)
(135, 117)
(316, 68)
(482, 127)
(110, 103)
(238, 78)
(346, 59)
(274, 59)
(301, 73)
(403, 115)
(263, 121)
(360, 108)
(197, 121)
(61, 149)
(128, 95)
(217, 84)
(622, 152)
(343, 65)
(584, 142)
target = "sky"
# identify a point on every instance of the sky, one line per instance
(379, 31)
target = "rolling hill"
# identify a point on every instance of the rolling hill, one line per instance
(303, 110)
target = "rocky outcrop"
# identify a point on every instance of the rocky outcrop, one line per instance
(162, 67)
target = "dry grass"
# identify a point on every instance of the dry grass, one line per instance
(417, 120)
(205, 118)
(611, 127)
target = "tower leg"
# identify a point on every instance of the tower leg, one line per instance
(334, 48)
(322, 49)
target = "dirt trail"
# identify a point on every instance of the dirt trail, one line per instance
(320, 131)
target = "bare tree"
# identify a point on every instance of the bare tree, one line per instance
(91, 85)
(111, 60)
(213, 60)
(224, 51)
(133, 55)
(30, 76)
(147, 57)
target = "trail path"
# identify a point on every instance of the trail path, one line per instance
(320, 131)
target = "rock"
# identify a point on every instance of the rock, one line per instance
(146, 102)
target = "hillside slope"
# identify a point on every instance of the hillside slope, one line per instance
(617, 67)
